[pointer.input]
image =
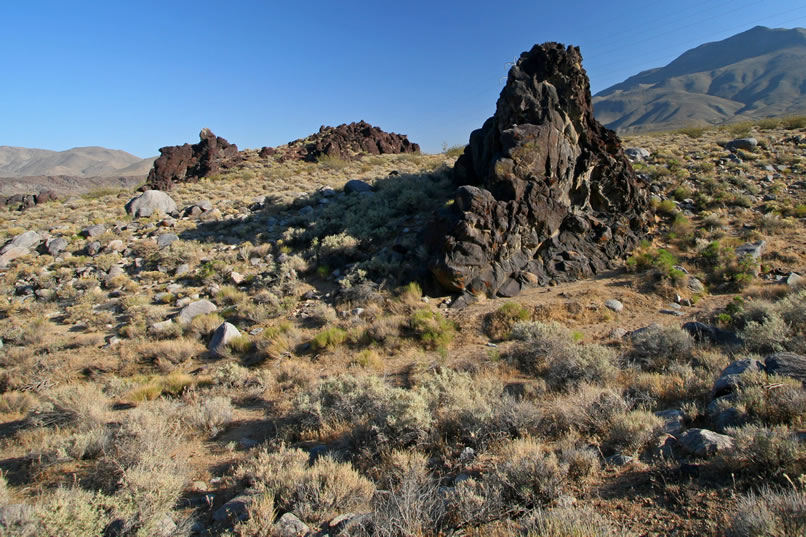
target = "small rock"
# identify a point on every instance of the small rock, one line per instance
(703, 443)
(795, 280)
(237, 509)
(636, 154)
(161, 327)
(115, 245)
(695, 285)
(614, 305)
(674, 420)
(55, 246)
(93, 248)
(114, 272)
(236, 277)
(182, 269)
(618, 460)
(289, 526)
(617, 333)
(225, 333)
(754, 249)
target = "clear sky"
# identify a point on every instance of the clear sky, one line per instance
(140, 74)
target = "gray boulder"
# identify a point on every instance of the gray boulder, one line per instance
(166, 239)
(704, 443)
(93, 231)
(237, 509)
(614, 305)
(674, 420)
(753, 249)
(150, 201)
(795, 280)
(29, 239)
(745, 144)
(194, 309)
(730, 378)
(56, 246)
(787, 364)
(636, 154)
(225, 333)
(93, 248)
(11, 254)
(355, 187)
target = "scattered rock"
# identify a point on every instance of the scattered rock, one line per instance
(93, 248)
(182, 269)
(161, 327)
(704, 443)
(619, 460)
(795, 280)
(787, 364)
(189, 163)
(225, 333)
(237, 509)
(194, 309)
(730, 377)
(289, 526)
(614, 305)
(675, 420)
(148, 202)
(115, 245)
(695, 285)
(542, 182)
(754, 249)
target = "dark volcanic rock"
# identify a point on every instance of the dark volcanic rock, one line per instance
(546, 189)
(189, 163)
(346, 142)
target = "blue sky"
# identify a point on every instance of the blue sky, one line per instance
(138, 75)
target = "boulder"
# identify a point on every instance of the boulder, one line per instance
(636, 154)
(189, 163)
(29, 240)
(194, 309)
(787, 364)
(614, 305)
(225, 333)
(730, 378)
(704, 443)
(166, 239)
(544, 187)
(674, 420)
(795, 280)
(711, 334)
(236, 509)
(93, 231)
(356, 186)
(745, 144)
(145, 204)
(55, 246)
(11, 254)
(753, 249)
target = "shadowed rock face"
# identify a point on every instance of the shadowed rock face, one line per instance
(546, 192)
(189, 163)
(345, 142)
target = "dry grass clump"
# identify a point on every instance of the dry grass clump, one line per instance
(569, 522)
(775, 326)
(208, 416)
(153, 387)
(633, 431)
(769, 513)
(174, 351)
(314, 492)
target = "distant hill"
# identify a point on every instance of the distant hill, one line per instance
(76, 162)
(755, 74)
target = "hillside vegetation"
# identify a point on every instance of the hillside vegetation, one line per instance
(264, 362)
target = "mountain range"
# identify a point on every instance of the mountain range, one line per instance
(76, 162)
(755, 74)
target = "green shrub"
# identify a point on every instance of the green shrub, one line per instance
(328, 339)
(498, 324)
(432, 328)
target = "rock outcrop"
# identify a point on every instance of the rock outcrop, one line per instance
(546, 195)
(189, 163)
(346, 142)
